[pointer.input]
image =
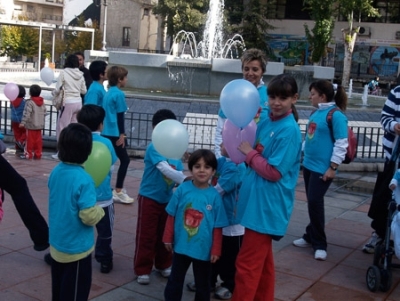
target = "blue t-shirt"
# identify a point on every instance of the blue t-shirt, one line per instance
(229, 176)
(262, 91)
(154, 184)
(71, 189)
(197, 212)
(318, 146)
(104, 191)
(17, 112)
(95, 94)
(266, 206)
(113, 103)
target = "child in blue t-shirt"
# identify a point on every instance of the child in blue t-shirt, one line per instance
(72, 215)
(17, 109)
(96, 91)
(159, 178)
(266, 197)
(92, 116)
(193, 229)
(227, 180)
(114, 127)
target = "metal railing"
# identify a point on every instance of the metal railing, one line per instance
(201, 129)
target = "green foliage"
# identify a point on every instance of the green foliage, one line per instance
(82, 40)
(189, 15)
(19, 40)
(253, 26)
(319, 37)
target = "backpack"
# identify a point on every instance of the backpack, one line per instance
(351, 137)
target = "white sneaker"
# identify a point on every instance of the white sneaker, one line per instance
(55, 157)
(369, 247)
(320, 255)
(143, 279)
(165, 273)
(122, 197)
(302, 243)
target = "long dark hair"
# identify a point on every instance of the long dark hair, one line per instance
(325, 87)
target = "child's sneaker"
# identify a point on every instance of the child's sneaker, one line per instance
(369, 247)
(122, 197)
(106, 267)
(143, 279)
(302, 243)
(223, 293)
(165, 273)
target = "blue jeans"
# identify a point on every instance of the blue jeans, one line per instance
(201, 271)
(315, 191)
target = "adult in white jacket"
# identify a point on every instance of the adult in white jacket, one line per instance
(72, 81)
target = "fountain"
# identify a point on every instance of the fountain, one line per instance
(364, 97)
(350, 88)
(203, 68)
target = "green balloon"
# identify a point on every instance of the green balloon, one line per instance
(98, 163)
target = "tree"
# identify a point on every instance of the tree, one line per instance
(177, 15)
(249, 19)
(81, 40)
(349, 8)
(322, 11)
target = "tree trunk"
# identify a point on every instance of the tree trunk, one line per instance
(349, 42)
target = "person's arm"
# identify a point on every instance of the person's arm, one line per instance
(218, 136)
(59, 84)
(339, 151)
(168, 237)
(121, 128)
(216, 247)
(26, 113)
(175, 175)
(91, 216)
(390, 111)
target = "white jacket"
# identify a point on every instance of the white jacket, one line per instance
(73, 83)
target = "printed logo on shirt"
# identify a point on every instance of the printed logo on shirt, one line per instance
(192, 220)
(311, 130)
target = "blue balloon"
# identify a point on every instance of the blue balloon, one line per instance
(240, 102)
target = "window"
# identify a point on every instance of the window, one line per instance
(126, 36)
(146, 11)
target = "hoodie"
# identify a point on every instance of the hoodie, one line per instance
(34, 112)
(17, 108)
(73, 83)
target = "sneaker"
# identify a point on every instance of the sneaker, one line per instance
(106, 267)
(191, 286)
(302, 243)
(143, 279)
(369, 247)
(47, 259)
(41, 247)
(320, 255)
(24, 157)
(223, 293)
(55, 157)
(122, 197)
(165, 273)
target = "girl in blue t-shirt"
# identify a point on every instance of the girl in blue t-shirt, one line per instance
(325, 147)
(266, 197)
(194, 227)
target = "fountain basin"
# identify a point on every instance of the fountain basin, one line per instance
(206, 77)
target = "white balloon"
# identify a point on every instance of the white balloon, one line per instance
(47, 75)
(170, 138)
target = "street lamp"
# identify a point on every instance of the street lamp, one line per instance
(104, 26)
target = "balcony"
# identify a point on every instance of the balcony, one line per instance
(52, 18)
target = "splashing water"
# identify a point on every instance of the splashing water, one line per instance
(213, 30)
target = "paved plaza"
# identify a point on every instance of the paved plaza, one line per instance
(25, 276)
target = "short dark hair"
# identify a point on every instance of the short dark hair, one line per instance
(97, 68)
(162, 115)
(115, 73)
(205, 154)
(22, 91)
(35, 90)
(91, 116)
(80, 53)
(75, 143)
(71, 61)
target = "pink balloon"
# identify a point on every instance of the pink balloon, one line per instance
(232, 136)
(11, 91)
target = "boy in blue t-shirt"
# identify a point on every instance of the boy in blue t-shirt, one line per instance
(193, 229)
(159, 178)
(72, 215)
(17, 109)
(114, 127)
(96, 91)
(92, 116)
